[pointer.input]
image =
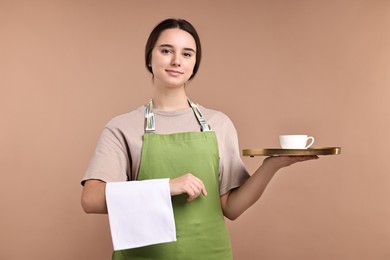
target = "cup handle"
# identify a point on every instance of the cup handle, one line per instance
(311, 143)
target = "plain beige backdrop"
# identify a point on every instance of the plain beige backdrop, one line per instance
(274, 66)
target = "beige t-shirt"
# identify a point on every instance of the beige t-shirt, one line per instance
(118, 153)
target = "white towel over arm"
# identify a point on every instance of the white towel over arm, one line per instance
(140, 213)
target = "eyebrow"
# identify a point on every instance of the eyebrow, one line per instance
(171, 46)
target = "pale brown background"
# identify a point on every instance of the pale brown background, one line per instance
(315, 67)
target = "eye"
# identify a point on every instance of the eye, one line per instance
(166, 51)
(188, 54)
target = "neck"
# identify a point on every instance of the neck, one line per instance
(172, 100)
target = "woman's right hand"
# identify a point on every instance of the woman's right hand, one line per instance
(188, 184)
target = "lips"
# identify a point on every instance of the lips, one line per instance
(174, 73)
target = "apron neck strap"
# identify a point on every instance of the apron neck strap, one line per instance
(150, 123)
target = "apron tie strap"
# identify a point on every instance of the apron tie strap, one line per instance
(149, 118)
(204, 126)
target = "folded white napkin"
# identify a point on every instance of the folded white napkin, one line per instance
(140, 213)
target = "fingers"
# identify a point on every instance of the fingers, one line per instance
(306, 158)
(195, 189)
(193, 186)
(284, 161)
(199, 185)
(295, 159)
(188, 184)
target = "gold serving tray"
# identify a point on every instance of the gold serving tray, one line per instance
(292, 152)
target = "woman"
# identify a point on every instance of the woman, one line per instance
(194, 147)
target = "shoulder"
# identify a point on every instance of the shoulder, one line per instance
(220, 123)
(216, 118)
(132, 118)
(127, 126)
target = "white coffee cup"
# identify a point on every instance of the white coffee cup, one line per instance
(295, 141)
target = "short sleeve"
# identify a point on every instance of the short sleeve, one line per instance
(233, 172)
(110, 161)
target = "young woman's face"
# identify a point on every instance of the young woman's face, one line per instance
(173, 58)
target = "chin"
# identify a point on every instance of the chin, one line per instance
(174, 83)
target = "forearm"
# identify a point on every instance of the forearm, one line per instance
(93, 198)
(240, 199)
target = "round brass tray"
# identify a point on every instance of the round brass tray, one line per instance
(292, 152)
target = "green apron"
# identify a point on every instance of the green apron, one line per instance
(200, 227)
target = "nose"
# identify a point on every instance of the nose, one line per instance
(176, 60)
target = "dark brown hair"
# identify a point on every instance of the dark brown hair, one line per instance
(170, 24)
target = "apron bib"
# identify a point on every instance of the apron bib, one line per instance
(200, 225)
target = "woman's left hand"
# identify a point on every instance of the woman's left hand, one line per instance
(278, 162)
